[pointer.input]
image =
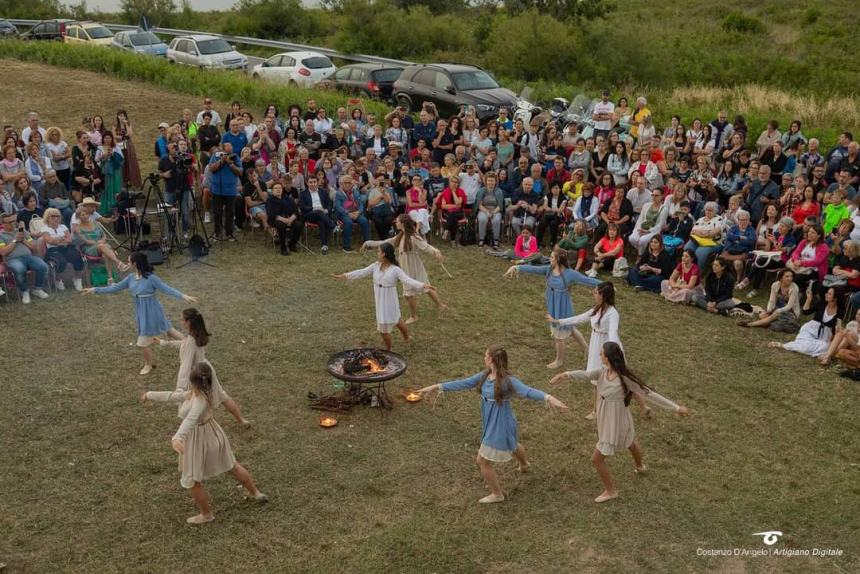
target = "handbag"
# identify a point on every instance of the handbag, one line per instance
(671, 242)
(621, 267)
(764, 258)
(834, 281)
(703, 241)
(59, 203)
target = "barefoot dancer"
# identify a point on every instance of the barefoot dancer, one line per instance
(408, 243)
(559, 278)
(149, 314)
(386, 273)
(499, 439)
(604, 320)
(615, 385)
(192, 350)
(204, 450)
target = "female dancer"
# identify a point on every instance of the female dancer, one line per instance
(386, 272)
(149, 314)
(499, 443)
(192, 350)
(408, 243)
(616, 384)
(559, 277)
(204, 450)
(604, 319)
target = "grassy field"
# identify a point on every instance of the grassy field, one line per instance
(90, 483)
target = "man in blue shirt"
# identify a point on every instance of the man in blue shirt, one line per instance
(762, 192)
(235, 137)
(225, 169)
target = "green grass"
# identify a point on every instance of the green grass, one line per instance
(89, 482)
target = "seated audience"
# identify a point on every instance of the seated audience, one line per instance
(684, 282)
(653, 267)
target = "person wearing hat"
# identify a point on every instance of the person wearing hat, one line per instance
(161, 141)
(207, 107)
(604, 111)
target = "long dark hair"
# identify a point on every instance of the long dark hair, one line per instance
(196, 326)
(501, 385)
(607, 291)
(141, 263)
(389, 254)
(201, 380)
(405, 236)
(615, 358)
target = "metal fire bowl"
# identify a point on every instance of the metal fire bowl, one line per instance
(396, 366)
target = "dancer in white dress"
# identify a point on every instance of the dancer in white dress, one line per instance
(204, 450)
(192, 350)
(615, 384)
(409, 243)
(386, 273)
(604, 319)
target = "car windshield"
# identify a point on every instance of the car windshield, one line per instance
(316, 62)
(387, 75)
(216, 46)
(99, 32)
(143, 39)
(474, 80)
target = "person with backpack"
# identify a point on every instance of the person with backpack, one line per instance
(559, 278)
(499, 438)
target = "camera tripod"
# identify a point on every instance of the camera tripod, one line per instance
(199, 244)
(166, 214)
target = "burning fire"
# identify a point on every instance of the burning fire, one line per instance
(328, 422)
(413, 397)
(372, 365)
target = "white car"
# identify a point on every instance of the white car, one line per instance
(205, 51)
(304, 69)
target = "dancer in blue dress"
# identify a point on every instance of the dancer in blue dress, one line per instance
(559, 277)
(499, 439)
(149, 314)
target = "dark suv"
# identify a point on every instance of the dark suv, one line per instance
(47, 30)
(368, 80)
(451, 86)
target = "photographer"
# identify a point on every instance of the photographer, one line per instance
(174, 169)
(225, 170)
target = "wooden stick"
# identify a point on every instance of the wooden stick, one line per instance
(445, 269)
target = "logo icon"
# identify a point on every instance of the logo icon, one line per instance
(769, 537)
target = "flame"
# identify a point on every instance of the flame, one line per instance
(373, 366)
(413, 397)
(328, 421)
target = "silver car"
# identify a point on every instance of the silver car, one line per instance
(205, 51)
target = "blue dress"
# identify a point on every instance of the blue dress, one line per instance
(499, 438)
(558, 303)
(147, 310)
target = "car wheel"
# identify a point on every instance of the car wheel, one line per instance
(405, 103)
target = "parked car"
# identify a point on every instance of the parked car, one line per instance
(451, 86)
(140, 42)
(297, 68)
(88, 32)
(205, 51)
(7, 28)
(367, 80)
(48, 30)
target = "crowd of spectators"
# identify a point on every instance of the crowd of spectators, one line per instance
(700, 211)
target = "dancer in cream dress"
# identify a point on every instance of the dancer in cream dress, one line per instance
(386, 272)
(615, 386)
(204, 450)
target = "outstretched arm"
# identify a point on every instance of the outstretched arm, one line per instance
(656, 399)
(166, 396)
(359, 273)
(115, 288)
(576, 319)
(458, 385)
(586, 376)
(165, 288)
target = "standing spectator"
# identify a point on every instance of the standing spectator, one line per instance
(123, 135)
(722, 130)
(350, 205)
(767, 138)
(833, 159)
(225, 170)
(60, 155)
(216, 117)
(32, 126)
(604, 111)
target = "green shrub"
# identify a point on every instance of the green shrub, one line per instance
(218, 84)
(737, 21)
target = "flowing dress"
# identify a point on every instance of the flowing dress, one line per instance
(603, 330)
(111, 166)
(189, 355)
(813, 338)
(385, 292)
(410, 261)
(207, 449)
(499, 426)
(148, 312)
(557, 294)
(131, 166)
(615, 430)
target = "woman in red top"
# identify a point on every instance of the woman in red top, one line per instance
(684, 282)
(808, 207)
(416, 204)
(452, 203)
(608, 249)
(605, 190)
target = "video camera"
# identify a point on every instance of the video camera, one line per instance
(154, 178)
(185, 161)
